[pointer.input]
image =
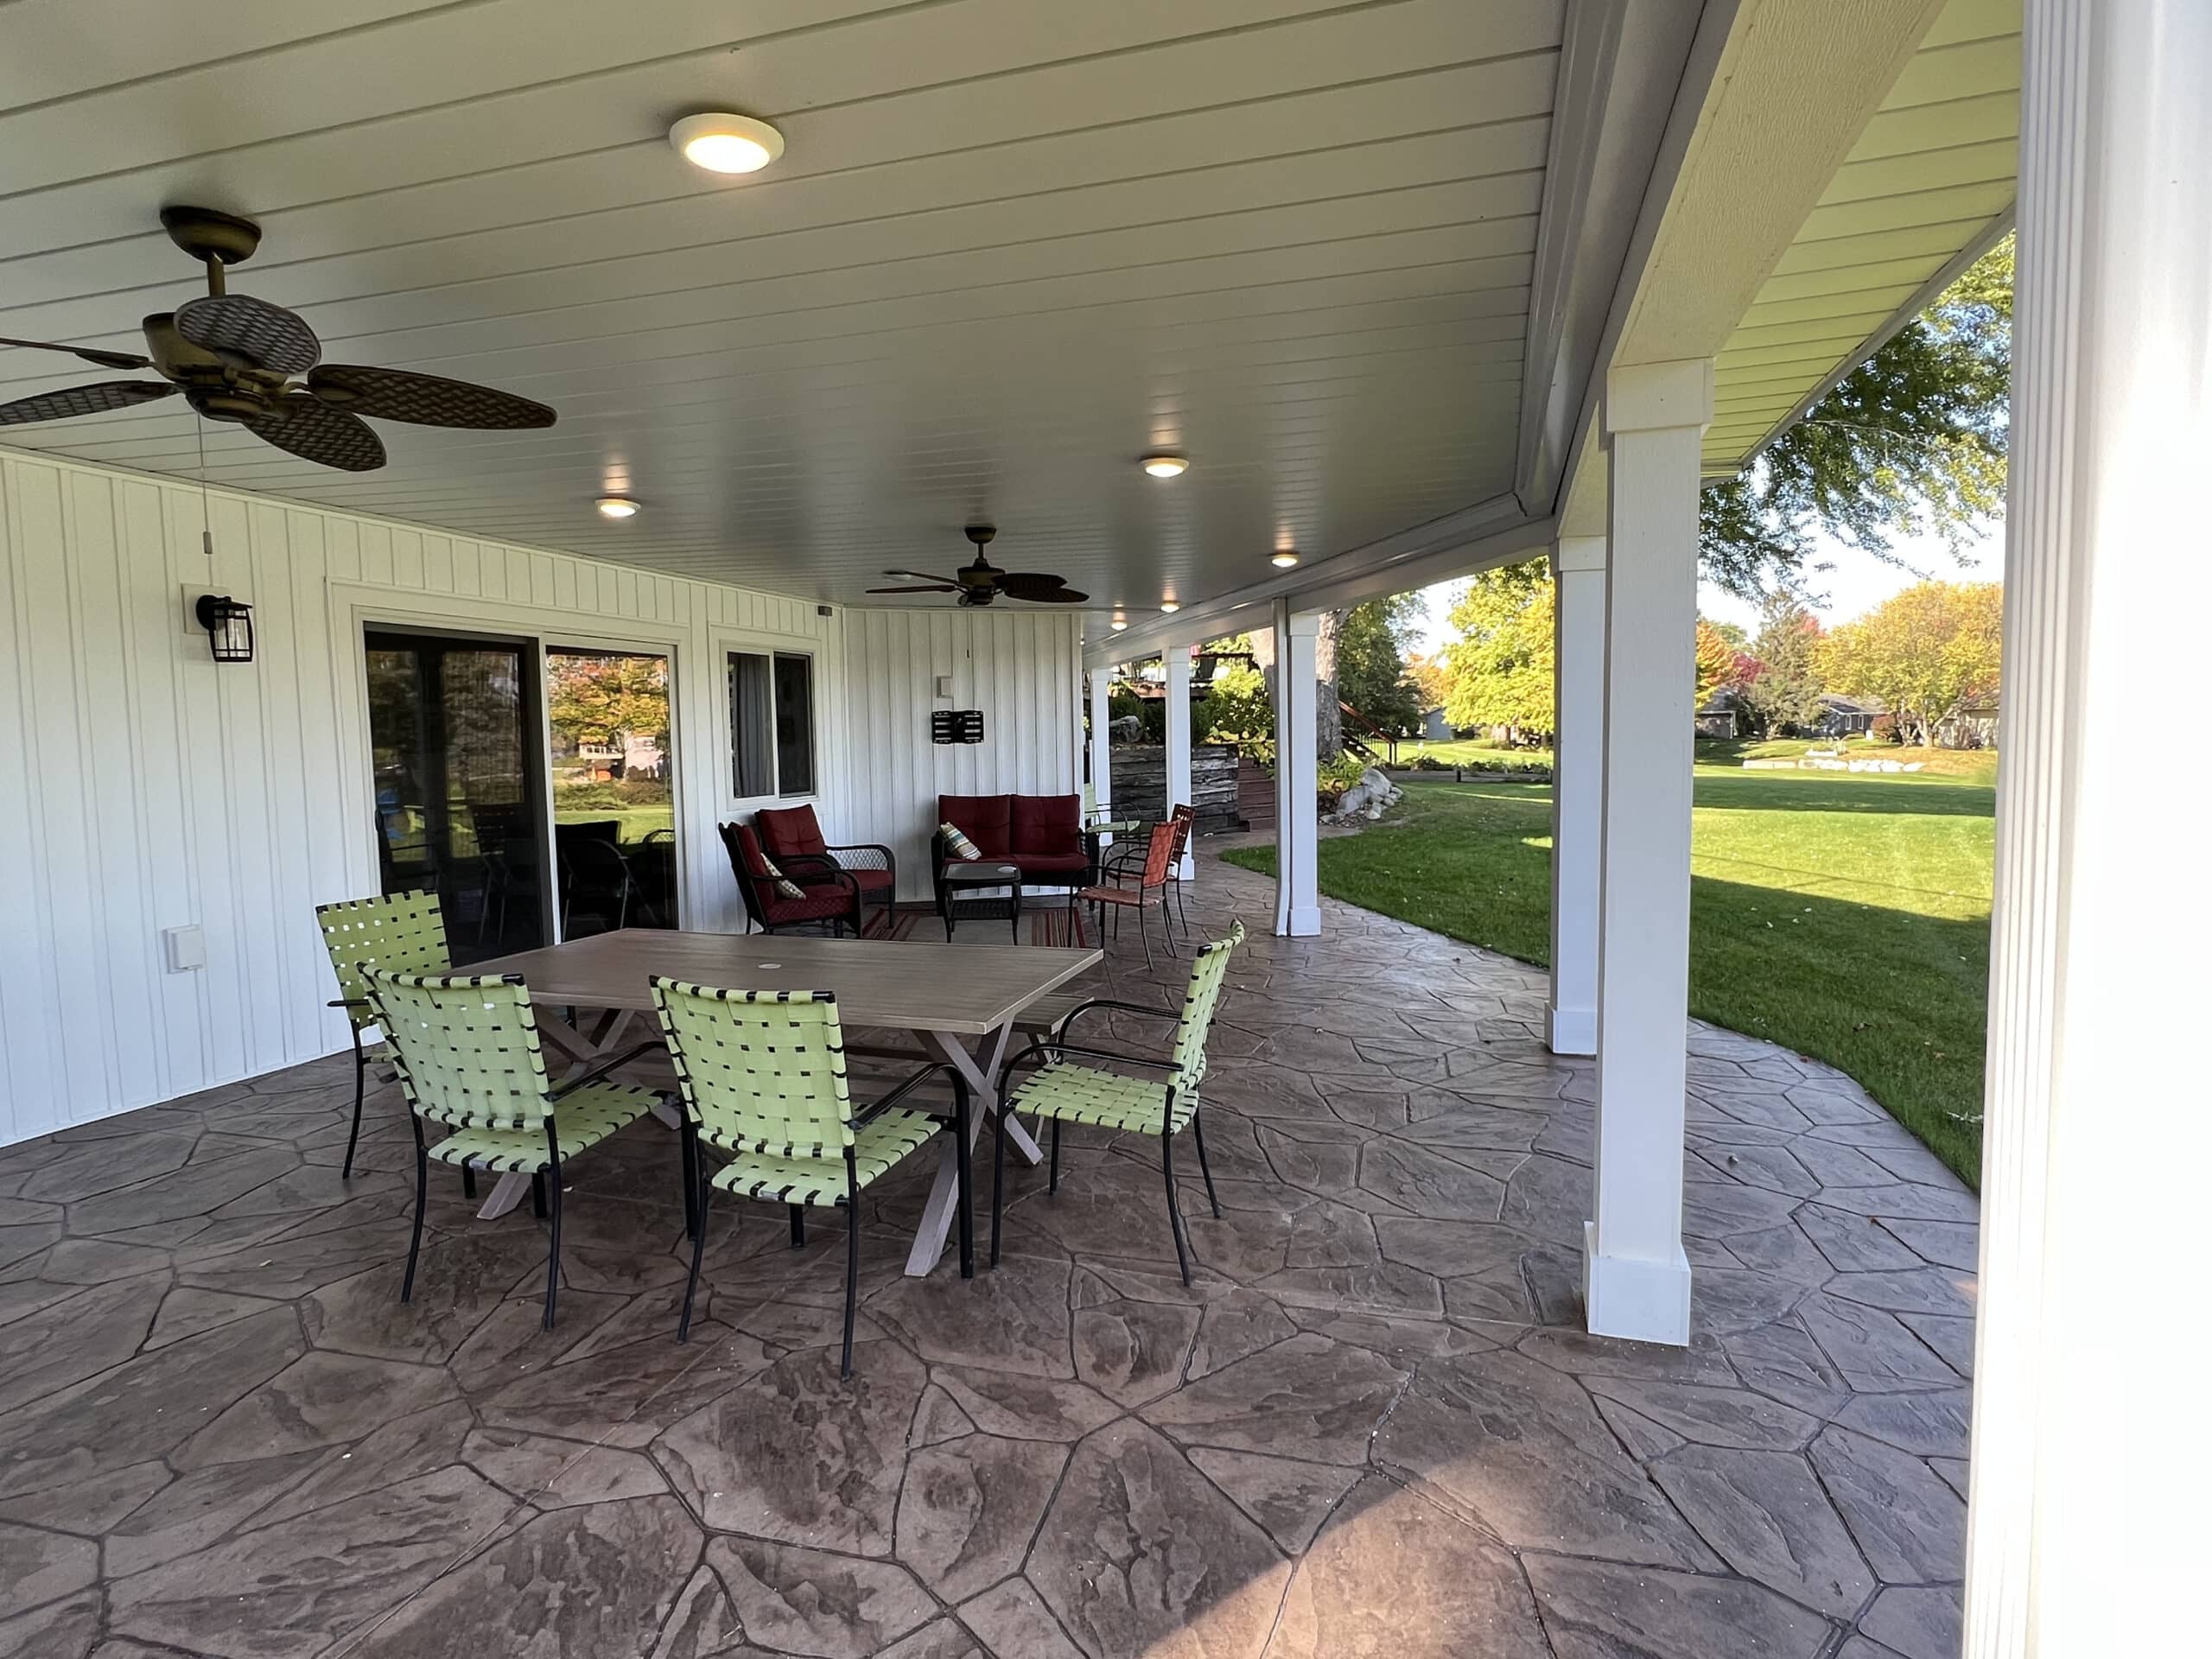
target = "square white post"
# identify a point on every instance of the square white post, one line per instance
(1176, 661)
(1298, 780)
(1636, 1280)
(2087, 1530)
(1102, 742)
(1578, 786)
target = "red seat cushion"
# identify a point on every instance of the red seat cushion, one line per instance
(819, 902)
(788, 831)
(1045, 823)
(868, 881)
(984, 819)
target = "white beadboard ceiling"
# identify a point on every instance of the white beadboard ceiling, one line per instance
(1011, 246)
(1932, 178)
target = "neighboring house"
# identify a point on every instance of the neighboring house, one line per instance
(1723, 714)
(1434, 728)
(1849, 716)
(1974, 726)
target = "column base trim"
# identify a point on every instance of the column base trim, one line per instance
(1305, 922)
(1636, 1299)
(1570, 1031)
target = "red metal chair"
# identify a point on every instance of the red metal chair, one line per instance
(830, 898)
(1151, 878)
(1184, 817)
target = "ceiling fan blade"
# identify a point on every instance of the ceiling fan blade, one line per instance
(932, 588)
(96, 399)
(423, 399)
(1037, 588)
(266, 335)
(102, 359)
(307, 427)
(922, 576)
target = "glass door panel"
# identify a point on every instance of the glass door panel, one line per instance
(614, 800)
(456, 794)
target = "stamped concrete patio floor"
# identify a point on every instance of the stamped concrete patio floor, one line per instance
(1374, 1426)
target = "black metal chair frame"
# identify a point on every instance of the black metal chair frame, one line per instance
(699, 1189)
(1057, 1046)
(539, 1186)
(803, 869)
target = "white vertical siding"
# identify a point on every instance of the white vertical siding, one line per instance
(1020, 667)
(142, 786)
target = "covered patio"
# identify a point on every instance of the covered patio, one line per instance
(1375, 1423)
(1537, 1320)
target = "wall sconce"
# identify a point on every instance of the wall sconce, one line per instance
(229, 623)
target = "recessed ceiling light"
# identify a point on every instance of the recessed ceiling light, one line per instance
(617, 506)
(1284, 560)
(1117, 625)
(726, 144)
(1167, 466)
(1170, 606)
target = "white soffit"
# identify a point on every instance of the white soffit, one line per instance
(1931, 180)
(1010, 247)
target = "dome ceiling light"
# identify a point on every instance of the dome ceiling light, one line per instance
(721, 143)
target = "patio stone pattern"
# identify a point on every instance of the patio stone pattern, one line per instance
(1374, 1425)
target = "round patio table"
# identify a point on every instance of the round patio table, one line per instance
(966, 897)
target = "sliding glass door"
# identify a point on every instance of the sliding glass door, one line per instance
(452, 729)
(613, 799)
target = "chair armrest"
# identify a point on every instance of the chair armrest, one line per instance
(349, 1002)
(883, 855)
(1046, 1046)
(875, 1108)
(604, 1067)
(1067, 1023)
(808, 864)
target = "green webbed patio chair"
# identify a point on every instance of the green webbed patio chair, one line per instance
(1065, 1091)
(762, 1077)
(404, 932)
(468, 1056)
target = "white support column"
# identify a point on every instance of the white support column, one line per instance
(1176, 659)
(1636, 1281)
(1298, 807)
(1578, 749)
(2088, 1530)
(1102, 742)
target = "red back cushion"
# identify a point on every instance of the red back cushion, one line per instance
(787, 831)
(982, 818)
(1047, 824)
(748, 849)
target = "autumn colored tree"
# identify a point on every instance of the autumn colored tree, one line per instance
(1431, 679)
(1716, 660)
(1501, 663)
(601, 700)
(1927, 653)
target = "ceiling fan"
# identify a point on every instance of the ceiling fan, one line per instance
(234, 358)
(982, 581)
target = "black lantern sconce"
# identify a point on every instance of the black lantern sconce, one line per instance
(229, 623)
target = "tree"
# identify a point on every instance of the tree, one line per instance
(1911, 442)
(1784, 695)
(1927, 653)
(1371, 661)
(1431, 680)
(1501, 663)
(1716, 661)
(600, 700)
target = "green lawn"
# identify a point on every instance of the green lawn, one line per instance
(1842, 915)
(1472, 751)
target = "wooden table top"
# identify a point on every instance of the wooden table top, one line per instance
(970, 989)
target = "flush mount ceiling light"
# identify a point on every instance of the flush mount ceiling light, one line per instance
(1170, 606)
(1117, 625)
(617, 506)
(726, 144)
(1284, 560)
(1166, 466)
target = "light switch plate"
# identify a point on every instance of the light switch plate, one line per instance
(945, 686)
(185, 948)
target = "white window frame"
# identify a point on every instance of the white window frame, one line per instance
(770, 646)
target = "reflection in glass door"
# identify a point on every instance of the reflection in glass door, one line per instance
(457, 803)
(613, 802)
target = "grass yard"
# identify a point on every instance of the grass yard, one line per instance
(1843, 915)
(1472, 751)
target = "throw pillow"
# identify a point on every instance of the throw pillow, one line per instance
(957, 844)
(786, 888)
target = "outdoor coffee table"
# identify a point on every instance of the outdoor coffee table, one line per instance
(965, 899)
(959, 1003)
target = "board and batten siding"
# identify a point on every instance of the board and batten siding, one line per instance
(1021, 668)
(143, 787)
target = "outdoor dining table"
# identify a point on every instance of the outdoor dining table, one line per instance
(960, 1003)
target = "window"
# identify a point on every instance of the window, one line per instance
(770, 723)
